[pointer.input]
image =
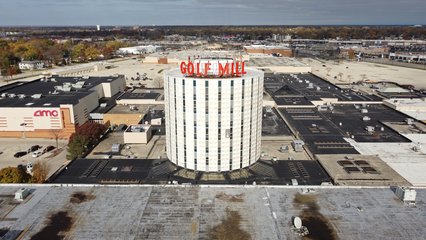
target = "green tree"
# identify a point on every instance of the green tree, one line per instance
(77, 146)
(14, 175)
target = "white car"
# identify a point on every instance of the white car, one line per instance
(37, 154)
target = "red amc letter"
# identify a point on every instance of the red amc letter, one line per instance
(54, 113)
(223, 69)
(183, 67)
(37, 113)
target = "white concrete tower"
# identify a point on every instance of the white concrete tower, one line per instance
(213, 118)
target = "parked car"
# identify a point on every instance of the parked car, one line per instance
(48, 149)
(20, 154)
(34, 148)
(37, 154)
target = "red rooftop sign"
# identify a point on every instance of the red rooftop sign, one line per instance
(204, 69)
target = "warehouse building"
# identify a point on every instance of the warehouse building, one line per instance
(264, 49)
(55, 106)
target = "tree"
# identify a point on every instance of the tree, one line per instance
(92, 53)
(14, 175)
(56, 133)
(349, 78)
(340, 75)
(77, 146)
(351, 54)
(78, 52)
(158, 82)
(91, 130)
(40, 172)
(328, 70)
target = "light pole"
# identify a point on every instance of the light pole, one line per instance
(23, 125)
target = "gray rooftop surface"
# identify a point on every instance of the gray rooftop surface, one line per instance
(177, 212)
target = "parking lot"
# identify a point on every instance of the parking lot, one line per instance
(10, 146)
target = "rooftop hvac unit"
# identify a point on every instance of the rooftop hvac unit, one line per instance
(66, 89)
(369, 129)
(364, 110)
(103, 105)
(86, 77)
(406, 194)
(3, 95)
(21, 194)
(36, 96)
(11, 95)
(366, 118)
(53, 79)
(21, 96)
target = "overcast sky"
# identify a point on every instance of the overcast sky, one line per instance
(211, 12)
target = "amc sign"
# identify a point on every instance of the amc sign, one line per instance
(46, 113)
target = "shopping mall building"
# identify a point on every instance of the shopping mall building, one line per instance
(213, 113)
(53, 106)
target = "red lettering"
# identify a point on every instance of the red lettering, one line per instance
(183, 67)
(223, 69)
(237, 68)
(242, 68)
(190, 69)
(206, 68)
(198, 69)
(232, 69)
(46, 113)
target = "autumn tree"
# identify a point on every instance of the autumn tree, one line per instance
(91, 130)
(78, 52)
(40, 172)
(92, 53)
(14, 175)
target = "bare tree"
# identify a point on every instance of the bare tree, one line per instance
(158, 82)
(328, 70)
(340, 75)
(40, 171)
(349, 78)
(57, 134)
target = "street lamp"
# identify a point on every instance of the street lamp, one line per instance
(23, 125)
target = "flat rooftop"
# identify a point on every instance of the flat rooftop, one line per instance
(161, 171)
(320, 135)
(273, 124)
(24, 94)
(360, 170)
(302, 89)
(183, 212)
(260, 60)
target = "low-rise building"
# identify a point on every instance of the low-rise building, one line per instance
(31, 65)
(51, 107)
(140, 133)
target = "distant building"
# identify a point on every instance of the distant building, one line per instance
(31, 65)
(139, 49)
(281, 50)
(213, 123)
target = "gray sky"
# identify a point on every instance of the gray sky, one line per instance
(211, 12)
